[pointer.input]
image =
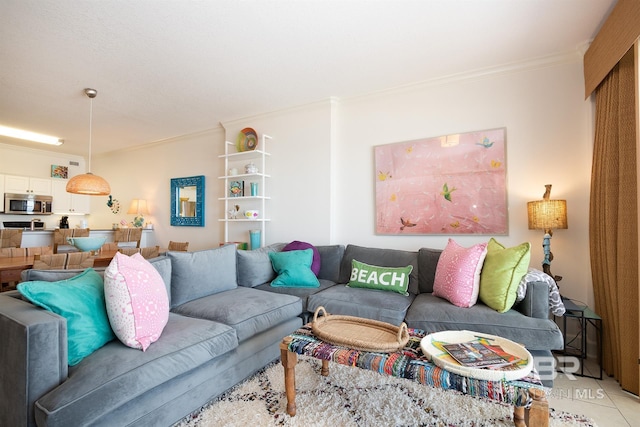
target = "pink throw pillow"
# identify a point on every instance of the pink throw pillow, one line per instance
(136, 300)
(458, 273)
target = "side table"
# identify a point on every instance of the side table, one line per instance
(577, 345)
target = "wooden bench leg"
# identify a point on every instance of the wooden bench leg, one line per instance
(289, 360)
(537, 415)
(325, 368)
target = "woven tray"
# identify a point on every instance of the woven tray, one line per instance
(359, 333)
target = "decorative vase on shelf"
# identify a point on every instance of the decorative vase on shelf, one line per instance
(251, 168)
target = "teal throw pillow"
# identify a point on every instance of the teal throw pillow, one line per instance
(79, 299)
(395, 279)
(294, 269)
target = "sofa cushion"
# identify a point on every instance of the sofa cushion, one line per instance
(80, 300)
(254, 267)
(458, 273)
(136, 299)
(503, 268)
(116, 375)
(294, 269)
(381, 257)
(302, 293)
(434, 314)
(385, 306)
(247, 310)
(297, 245)
(427, 264)
(394, 279)
(331, 256)
(201, 273)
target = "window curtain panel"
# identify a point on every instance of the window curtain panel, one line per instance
(613, 222)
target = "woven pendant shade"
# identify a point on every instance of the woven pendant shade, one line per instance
(90, 184)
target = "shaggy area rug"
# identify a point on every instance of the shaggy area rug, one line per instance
(353, 397)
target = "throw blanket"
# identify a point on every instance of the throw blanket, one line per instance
(411, 363)
(555, 301)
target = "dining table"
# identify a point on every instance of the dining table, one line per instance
(12, 267)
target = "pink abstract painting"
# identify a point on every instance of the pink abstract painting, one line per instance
(454, 184)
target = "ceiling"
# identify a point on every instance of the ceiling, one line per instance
(169, 68)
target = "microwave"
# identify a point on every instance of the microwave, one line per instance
(27, 204)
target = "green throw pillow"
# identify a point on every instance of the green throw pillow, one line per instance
(294, 269)
(502, 271)
(79, 299)
(394, 279)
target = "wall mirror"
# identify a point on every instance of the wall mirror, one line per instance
(187, 201)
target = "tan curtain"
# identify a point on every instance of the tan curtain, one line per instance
(613, 224)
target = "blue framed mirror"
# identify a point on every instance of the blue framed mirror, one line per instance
(187, 201)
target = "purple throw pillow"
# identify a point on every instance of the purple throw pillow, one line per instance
(299, 246)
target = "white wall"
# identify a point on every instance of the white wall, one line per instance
(548, 142)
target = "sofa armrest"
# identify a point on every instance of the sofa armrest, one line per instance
(536, 301)
(33, 357)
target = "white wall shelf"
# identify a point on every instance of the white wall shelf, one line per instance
(237, 159)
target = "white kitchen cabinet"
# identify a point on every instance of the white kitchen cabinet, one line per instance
(68, 203)
(27, 185)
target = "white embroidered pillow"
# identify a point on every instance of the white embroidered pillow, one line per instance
(136, 300)
(458, 273)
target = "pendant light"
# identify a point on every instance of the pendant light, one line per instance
(88, 183)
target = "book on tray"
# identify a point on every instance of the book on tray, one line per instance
(478, 355)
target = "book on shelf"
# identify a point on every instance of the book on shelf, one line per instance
(478, 355)
(236, 188)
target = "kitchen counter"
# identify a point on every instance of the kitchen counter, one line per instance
(44, 237)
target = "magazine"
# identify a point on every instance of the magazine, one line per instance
(478, 355)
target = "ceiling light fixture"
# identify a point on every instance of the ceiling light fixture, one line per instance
(30, 136)
(88, 183)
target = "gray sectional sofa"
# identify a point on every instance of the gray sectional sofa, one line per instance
(226, 322)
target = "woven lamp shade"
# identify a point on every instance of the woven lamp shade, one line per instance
(547, 214)
(89, 184)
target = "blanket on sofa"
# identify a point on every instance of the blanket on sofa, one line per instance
(555, 300)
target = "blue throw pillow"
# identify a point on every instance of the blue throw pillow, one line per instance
(294, 269)
(80, 300)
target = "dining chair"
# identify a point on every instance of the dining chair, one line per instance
(150, 251)
(64, 261)
(178, 246)
(76, 260)
(129, 250)
(146, 252)
(60, 236)
(10, 238)
(125, 235)
(109, 247)
(49, 262)
(39, 250)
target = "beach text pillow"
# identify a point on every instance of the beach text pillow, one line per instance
(395, 279)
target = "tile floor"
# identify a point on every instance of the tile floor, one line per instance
(601, 400)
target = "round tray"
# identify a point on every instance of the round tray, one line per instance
(359, 333)
(441, 358)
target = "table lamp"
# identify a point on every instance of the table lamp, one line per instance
(139, 208)
(547, 215)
